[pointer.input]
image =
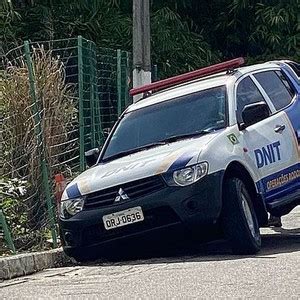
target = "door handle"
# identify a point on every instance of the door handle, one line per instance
(279, 128)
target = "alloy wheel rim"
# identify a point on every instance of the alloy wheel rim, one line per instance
(248, 215)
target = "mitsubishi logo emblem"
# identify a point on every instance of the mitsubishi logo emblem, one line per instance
(121, 196)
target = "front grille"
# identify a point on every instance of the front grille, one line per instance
(133, 189)
(153, 218)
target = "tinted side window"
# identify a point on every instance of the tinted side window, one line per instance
(285, 82)
(247, 93)
(275, 88)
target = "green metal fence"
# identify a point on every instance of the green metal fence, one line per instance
(57, 98)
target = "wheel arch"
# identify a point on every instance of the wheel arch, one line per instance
(236, 169)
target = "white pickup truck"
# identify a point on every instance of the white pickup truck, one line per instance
(216, 147)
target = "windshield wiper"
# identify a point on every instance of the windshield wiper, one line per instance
(178, 137)
(134, 150)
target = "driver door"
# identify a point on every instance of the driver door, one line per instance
(269, 145)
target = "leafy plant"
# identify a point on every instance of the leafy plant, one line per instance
(12, 193)
(186, 34)
(277, 28)
(8, 28)
(175, 47)
(55, 102)
(21, 142)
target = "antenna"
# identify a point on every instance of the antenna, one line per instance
(165, 83)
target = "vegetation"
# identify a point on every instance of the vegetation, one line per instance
(55, 103)
(185, 33)
(21, 191)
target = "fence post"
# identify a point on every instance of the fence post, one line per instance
(119, 80)
(98, 116)
(7, 235)
(39, 135)
(92, 92)
(127, 74)
(80, 104)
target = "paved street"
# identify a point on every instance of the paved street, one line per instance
(208, 272)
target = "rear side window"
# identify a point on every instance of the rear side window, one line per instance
(247, 93)
(285, 82)
(275, 88)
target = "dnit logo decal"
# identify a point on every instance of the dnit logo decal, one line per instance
(268, 154)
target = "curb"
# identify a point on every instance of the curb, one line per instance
(29, 263)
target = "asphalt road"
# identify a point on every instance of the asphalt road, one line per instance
(206, 271)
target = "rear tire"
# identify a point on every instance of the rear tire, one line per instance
(239, 221)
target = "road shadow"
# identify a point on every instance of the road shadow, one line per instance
(281, 241)
(278, 241)
(283, 231)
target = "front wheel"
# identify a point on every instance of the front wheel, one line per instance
(239, 220)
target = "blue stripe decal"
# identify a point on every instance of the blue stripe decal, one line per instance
(280, 184)
(73, 191)
(181, 162)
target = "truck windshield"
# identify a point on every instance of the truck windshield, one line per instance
(182, 117)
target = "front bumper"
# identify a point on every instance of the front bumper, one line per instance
(190, 207)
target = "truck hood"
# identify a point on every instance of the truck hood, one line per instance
(139, 165)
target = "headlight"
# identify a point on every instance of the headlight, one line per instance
(190, 174)
(71, 207)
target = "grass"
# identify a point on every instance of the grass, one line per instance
(21, 151)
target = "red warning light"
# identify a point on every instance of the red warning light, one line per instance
(210, 70)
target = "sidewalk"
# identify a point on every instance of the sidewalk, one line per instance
(24, 264)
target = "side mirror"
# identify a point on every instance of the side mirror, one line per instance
(255, 112)
(91, 156)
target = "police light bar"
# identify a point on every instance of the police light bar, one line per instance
(165, 83)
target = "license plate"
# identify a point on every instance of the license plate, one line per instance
(123, 218)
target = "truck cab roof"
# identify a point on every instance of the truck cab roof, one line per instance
(196, 85)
